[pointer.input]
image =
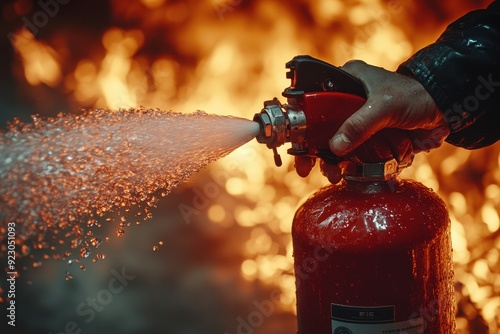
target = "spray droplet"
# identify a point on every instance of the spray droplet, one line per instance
(120, 233)
(96, 242)
(84, 252)
(107, 161)
(155, 248)
(25, 249)
(68, 276)
(83, 267)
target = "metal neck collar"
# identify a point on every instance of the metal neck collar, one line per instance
(364, 171)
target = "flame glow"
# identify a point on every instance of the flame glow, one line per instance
(39, 60)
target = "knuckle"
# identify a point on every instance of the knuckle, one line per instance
(353, 66)
(359, 125)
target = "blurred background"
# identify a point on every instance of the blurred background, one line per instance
(213, 270)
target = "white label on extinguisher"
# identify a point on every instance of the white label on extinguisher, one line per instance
(371, 320)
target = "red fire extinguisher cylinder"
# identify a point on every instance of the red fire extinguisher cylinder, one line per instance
(373, 257)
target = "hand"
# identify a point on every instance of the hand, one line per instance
(394, 101)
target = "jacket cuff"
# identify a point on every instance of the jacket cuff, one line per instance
(422, 67)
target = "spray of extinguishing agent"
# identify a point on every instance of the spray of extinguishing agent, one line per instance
(372, 254)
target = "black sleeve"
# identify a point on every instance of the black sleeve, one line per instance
(461, 71)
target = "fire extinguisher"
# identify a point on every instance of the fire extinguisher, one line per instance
(372, 254)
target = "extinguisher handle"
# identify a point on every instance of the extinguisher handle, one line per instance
(326, 111)
(321, 97)
(309, 74)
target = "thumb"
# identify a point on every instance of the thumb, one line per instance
(356, 129)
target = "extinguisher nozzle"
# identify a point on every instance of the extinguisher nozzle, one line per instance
(265, 127)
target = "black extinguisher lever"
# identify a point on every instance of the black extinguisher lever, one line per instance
(309, 74)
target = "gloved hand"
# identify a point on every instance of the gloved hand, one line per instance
(393, 102)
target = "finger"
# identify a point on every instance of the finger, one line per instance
(331, 171)
(369, 119)
(354, 67)
(399, 144)
(426, 140)
(303, 165)
(369, 75)
(358, 128)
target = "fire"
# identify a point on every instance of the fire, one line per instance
(39, 60)
(115, 66)
(229, 57)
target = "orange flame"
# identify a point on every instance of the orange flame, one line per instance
(39, 60)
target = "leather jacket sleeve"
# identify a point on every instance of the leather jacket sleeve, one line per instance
(461, 71)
